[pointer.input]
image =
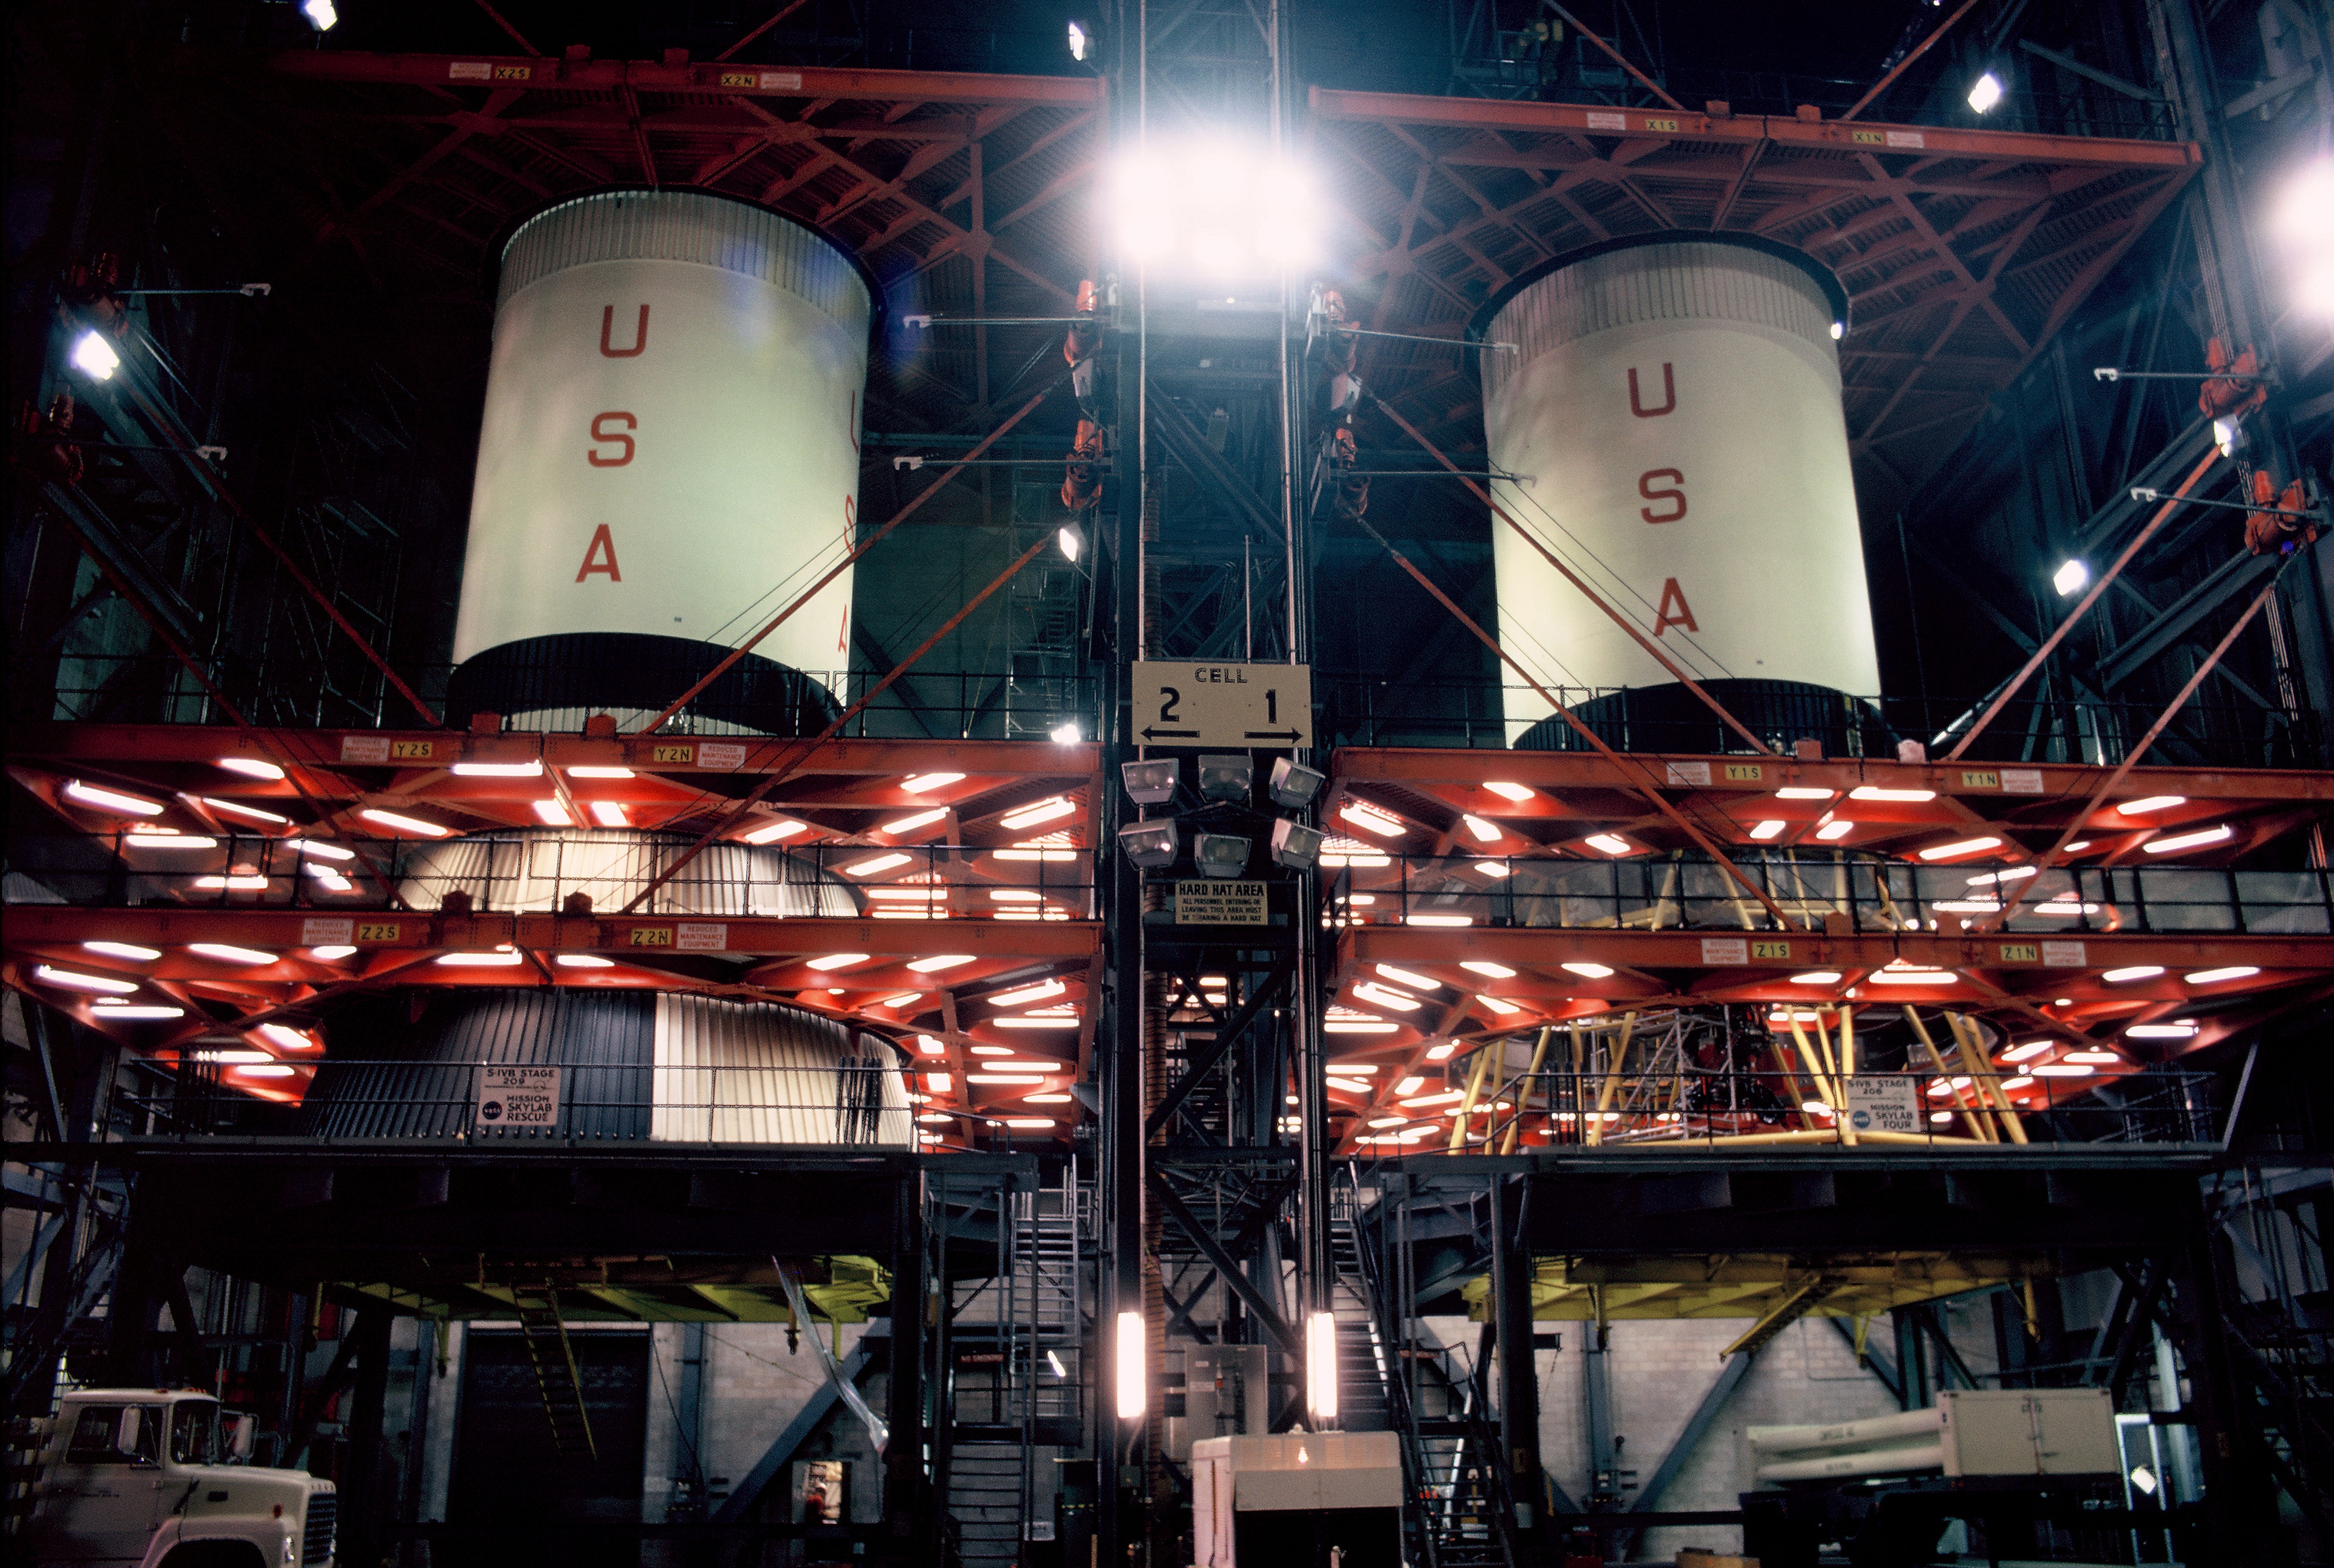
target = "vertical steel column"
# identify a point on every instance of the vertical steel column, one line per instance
(2241, 1524)
(362, 1489)
(907, 1494)
(1519, 1384)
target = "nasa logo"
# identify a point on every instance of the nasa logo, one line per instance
(492, 1111)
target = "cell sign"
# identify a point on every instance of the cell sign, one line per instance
(1884, 1103)
(525, 1097)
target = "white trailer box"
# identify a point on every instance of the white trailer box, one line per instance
(1270, 1501)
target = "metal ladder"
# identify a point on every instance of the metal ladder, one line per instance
(556, 1380)
(1365, 1360)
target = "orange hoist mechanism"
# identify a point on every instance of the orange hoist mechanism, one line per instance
(1082, 479)
(49, 450)
(2235, 388)
(1343, 390)
(2282, 526)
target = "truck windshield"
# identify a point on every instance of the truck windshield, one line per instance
(194, 1432)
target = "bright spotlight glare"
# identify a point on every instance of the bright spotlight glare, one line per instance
(2070, 577)
(320, 15)
(1216, 211)
(1077, 41)
(94, 357)
(1985, 93)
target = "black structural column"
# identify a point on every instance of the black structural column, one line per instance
(907, 1497)
(1511, 1288)
(363, 1493)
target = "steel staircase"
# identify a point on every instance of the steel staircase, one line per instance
(1012, 1330)
(555, 1377)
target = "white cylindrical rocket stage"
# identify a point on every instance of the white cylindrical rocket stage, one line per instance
(1674, 409)
(670, 453)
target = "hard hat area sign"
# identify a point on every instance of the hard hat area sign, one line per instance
(518, 1096)
(1884, 1103)
(1223, 705)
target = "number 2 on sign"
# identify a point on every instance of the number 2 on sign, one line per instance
(1169, 700)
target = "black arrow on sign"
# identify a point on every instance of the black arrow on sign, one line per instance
(1289, 736)
(1184, 734)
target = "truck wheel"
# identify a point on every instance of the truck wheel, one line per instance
(214, 1555)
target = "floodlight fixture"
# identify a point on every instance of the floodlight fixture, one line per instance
(1151, 783)
(1080, 41)
(94, 357)
(1294, 845)
(1073, 540)
(320, 15)
(2229, 435)
(1221, 854)
(1227, 776)
(1985, 93)
(2071, 578)
(1148, 845)
(1293, 785)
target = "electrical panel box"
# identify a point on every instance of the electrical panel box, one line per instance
(2029, 1432)
(1225, 1390)
(1270, 1501)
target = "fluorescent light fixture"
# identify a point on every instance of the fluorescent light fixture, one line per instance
(2151, 803)
(836, 961)
(1514, 792)
(404, 824)
(1354, 1069)
(1768, 830)
(231, 1058)
(1816, 1108)
(1028, 1123)
(1913, 977)
(251, 768)
(938, 1082)
(333, 952)
(1388, 1121)
(1875, 792)
(238, 809)
(73, 979)
(942, 961)
(531, 768)
(909, 824)
(94, 357)
(1371, 820)
(584, 961)
(148, 955)
(2200, 978)
(1045, 1099)
(1358, 1027)
(1804, 793)
(1044, 810)
(2160, 1032)
(1483, 830)
(288, 1038)
(2095, 1058)
(1378, 996)
(114, 801)
(2132, 971)
(1497, 871)
(1985, 93)
(1817, 977)
(107, 1008)
(1438, 920)
(2027, 1050)
(550, 809)
(1611, 843)
(874, 863)
(1021, 996)
(2195, 840)
(1039, 1021)
(1065, 733)
(599, 773)
(1407, 977)
(1321, 1366)
(2064, 1070)
(930, 1046)
(1486, 967)
(268, 1069)
(317, 849)
(1496, 1004)
(609, 813)
(333, 883)
(1443, 1097)
(232, 884)
(920, 783)
(1133, 1367)
(1024, 1079)
(228, 953)
(1292, 786)
(1586, 970)
(480, 960)
(937, 1116)
(2079, 845)
(1409, 1085)
(1991, 878)
(170, 842)
(1959, 847)
(1832, 832)
(774, 832)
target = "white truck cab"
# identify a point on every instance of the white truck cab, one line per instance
(158, 1478)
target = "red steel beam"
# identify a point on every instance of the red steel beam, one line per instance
(438, 72)
(1565, 118)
